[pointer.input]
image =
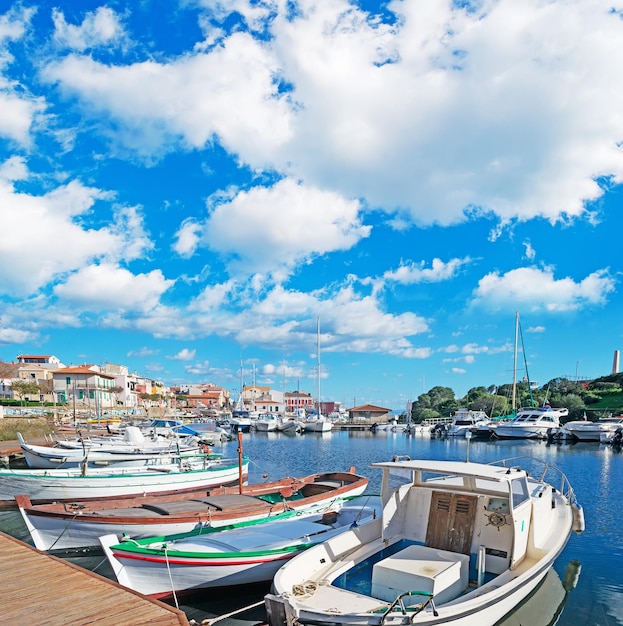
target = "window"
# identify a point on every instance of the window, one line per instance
(520, 491)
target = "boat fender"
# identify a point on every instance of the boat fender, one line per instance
(578, 518)
(206, 448)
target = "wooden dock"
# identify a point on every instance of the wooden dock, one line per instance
(47, 591)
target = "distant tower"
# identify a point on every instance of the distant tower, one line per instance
(616, 362)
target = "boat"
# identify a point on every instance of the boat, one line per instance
(530, 423)
(266, 423)
(290, 425)
(317, 424)
(251, 552)
(614, 438)
(586, 430)
(464, 420)
(53, 457)
(79, 524)
(96, 483)
(458, 543)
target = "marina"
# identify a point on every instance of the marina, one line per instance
(594, 470)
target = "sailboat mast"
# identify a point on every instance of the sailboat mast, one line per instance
(514, 398)
(318, 357)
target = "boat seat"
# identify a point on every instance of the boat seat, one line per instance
(215, 503)
(420, 568)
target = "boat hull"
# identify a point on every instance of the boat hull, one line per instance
(68, 485)
(163, 566)
(448, 538)
(75, 525)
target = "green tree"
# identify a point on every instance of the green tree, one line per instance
(23, 388)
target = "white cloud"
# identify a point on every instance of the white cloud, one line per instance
(18, 108)
(101, 27)
(58, 237)
(16, 335)
(14, 168)
(142, 352)
(187, 238)
(50, 219)
(271, 230)
(229, 92)
(447, 112)
(105, 287)
(184, 355)
(538, 289)
(530, 251)
(494, 107)
(411, 273)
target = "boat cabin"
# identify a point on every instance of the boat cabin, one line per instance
(462, 525)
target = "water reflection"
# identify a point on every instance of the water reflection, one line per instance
(544, 606)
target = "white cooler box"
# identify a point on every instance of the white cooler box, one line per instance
(418, 568)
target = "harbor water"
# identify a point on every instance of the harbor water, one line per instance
(586, 586)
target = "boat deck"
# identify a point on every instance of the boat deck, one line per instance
(47, 591)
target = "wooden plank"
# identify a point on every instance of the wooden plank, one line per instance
(48, 591)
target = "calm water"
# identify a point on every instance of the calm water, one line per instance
(594, 471)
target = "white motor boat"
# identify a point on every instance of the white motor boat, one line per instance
(458, 543)
(266, 423)
(585, 430)
(530, 423)
(464, 420)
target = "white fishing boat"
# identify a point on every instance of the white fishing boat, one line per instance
(251, 552)
(105, 482)
(53, 457)
(457, 543)
(79, 524)
(530, 423)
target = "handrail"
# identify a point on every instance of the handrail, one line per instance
(564, 486)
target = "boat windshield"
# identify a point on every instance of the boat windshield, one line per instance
(519, 488)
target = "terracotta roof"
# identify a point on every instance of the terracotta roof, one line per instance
(82, 369)
(370, 407)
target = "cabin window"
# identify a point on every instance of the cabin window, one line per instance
(520, 491)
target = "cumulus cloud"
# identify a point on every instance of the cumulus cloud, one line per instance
(184, 355)
(434, 115)
(54, 217)
(101, 27)
(16, 335)
(105, 286)
(230, 93)
(273, 229)
(18, 108)
(538, 290)
(411, 273)
(187, 238)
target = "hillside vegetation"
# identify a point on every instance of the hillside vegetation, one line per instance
(597, 398)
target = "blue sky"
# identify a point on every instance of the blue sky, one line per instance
(187, 185)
